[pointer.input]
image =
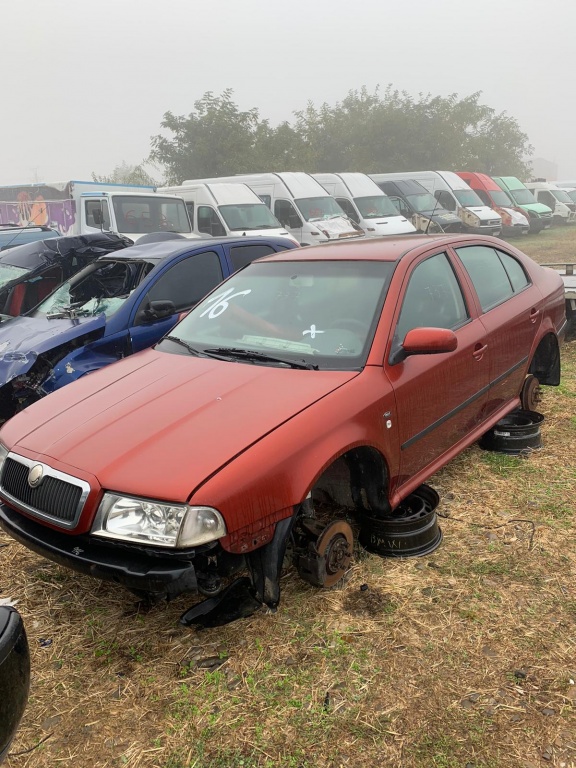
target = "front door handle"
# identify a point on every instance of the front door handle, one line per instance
(479, 350)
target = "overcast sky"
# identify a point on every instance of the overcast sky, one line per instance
(85, 84)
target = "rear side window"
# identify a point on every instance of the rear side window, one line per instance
(241, 255)
(188, 281)
(496, 275)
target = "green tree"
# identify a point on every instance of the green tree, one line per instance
(127, 174)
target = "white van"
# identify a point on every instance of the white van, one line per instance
(563, 207)
(227, 209)
(453, 194)
(299, 202)
(365, 204)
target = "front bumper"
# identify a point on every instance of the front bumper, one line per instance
(487, 230)
(515, 231)
(144, 570)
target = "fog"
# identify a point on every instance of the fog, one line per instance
(85, 85)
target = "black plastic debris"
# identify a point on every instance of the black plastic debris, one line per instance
(237, 601)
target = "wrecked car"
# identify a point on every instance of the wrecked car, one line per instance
(343, 374)
(29, 273)
(117, 305)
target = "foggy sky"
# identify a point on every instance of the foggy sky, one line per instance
(85, 84)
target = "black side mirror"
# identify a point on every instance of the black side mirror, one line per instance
(14, 675)
(156, 310)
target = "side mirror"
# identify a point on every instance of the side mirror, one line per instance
(14, 675)
(425, 341)
(156, 310)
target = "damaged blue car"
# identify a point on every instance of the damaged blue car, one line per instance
(119, 304)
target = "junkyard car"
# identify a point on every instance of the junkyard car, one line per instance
(119, 304)
(349, 372)
(11, 236)
(14, 674)
(28, 273)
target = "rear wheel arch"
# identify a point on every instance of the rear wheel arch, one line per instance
(545, 363)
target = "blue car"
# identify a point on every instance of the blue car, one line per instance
(121, 303)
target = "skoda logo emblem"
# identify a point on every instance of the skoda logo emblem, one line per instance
(35, 476)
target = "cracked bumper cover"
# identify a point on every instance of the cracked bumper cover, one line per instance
(165, 573)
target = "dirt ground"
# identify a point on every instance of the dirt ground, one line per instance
(465, 658)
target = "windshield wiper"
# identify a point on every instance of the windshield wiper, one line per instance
(70, 310)
(189, 347)
(249, 354)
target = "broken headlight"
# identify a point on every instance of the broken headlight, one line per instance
(153, 522)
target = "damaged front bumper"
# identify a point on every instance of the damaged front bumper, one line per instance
(149, 571)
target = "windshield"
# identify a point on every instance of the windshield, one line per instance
(138, 214)
(424, 202)
(572, 194)
(561, 195)
(101, 288)
(467, 197)
(375, 206)
(316, 208)
(522, 196)
(499, 197)
(9, 273)
(249, 216)
(321, 312)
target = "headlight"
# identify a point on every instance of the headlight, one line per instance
(153, 522)
(3, 453)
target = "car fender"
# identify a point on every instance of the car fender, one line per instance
(291, 459)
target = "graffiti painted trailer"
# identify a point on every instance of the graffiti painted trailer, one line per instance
(87, 207)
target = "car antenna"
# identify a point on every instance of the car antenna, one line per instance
(432, 214)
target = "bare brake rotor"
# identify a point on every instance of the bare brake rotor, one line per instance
(531, 393)
(324, 553)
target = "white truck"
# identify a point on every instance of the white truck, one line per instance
(365, 204)
(221, 209)
(299, 202)
(556, 198)
(84, 207)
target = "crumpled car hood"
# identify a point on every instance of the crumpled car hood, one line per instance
(23, 339)
(159, 424)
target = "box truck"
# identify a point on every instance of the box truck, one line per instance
(86, 207)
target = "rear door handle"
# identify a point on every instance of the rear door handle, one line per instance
(479, 350)
(534, 315)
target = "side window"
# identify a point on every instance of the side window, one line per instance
(267, 200)
(487, 273)
(348, 208)
(515, 270)
(97, 214)
(188, 281)
(445, 199)
(483, 195)
(433, 298)
(402, 206)
(190, 207)
(286, 214)
(209, 222)
(546, 197)
(241, 255)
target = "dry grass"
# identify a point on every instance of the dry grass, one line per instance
(463, 658)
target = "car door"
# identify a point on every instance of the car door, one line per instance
(511, 311)
(184, 284)
(439, 397)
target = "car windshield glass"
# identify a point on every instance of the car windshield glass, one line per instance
(467, 197)
(138, 215)
(423, 202)
(375, 206)
(522, 196)
(101, 288)
(9, 273)
(316, 208)
(572, 194)
(561, 195)
(499, 197)
(321, 313)
(249, 216)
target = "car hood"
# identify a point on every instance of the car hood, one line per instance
(23, 339)
(158, 425)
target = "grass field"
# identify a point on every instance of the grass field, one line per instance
(462, 659)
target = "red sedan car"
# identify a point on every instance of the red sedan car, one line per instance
(350, 372)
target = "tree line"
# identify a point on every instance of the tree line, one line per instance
(370, 132)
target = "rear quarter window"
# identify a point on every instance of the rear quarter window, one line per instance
(496, 275)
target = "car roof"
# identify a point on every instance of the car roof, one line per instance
(378, 248)
(157, 252)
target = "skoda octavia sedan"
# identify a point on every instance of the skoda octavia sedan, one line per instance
(349, 372)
